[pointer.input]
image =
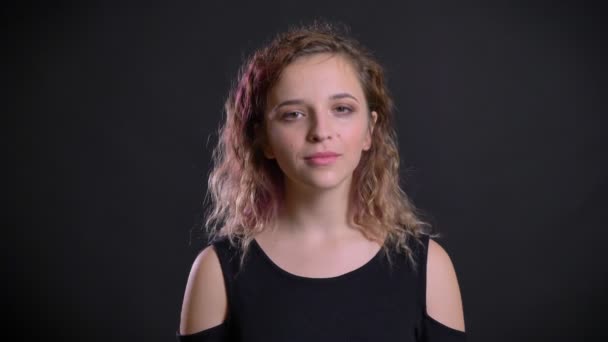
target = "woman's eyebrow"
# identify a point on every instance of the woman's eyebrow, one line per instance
(300, 101)
(342, 96)
(287, 103)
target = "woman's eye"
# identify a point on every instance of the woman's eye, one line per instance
(343, 109)
(291, 115)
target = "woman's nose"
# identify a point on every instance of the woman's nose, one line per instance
(320, 128)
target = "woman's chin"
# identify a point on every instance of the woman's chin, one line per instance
(326, 183)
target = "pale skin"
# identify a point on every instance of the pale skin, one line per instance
(317, 105)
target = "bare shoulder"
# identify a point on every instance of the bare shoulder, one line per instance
(205, 302)
(443, 299)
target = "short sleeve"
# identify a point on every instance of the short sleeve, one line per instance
(217, 333)
(433, 330)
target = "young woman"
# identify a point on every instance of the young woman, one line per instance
(311, 236)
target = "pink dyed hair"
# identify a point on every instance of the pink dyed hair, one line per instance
(246, 188)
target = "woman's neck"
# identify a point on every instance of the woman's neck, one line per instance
(315, 214)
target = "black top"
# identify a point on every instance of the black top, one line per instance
(375, 302)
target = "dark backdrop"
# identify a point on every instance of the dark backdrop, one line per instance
(500, 116)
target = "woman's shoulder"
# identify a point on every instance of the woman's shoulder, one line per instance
(227, 250)
(205, 300)
(443, 297)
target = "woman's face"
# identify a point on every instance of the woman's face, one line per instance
(318, 122)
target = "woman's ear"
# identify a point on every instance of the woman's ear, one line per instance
(374, 118)
(261, 136)
(368, 137)
(267, 151)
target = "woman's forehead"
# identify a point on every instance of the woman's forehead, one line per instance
(316, 77)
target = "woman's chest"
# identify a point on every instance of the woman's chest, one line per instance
(363, 307)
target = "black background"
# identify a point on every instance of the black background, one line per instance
(500, 114)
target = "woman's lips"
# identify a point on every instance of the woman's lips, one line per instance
(321, 160)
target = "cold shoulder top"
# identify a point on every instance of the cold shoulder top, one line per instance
(375, 302)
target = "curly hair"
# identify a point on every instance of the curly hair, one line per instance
(246, 188)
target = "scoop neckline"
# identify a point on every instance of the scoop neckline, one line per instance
(288, 274)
